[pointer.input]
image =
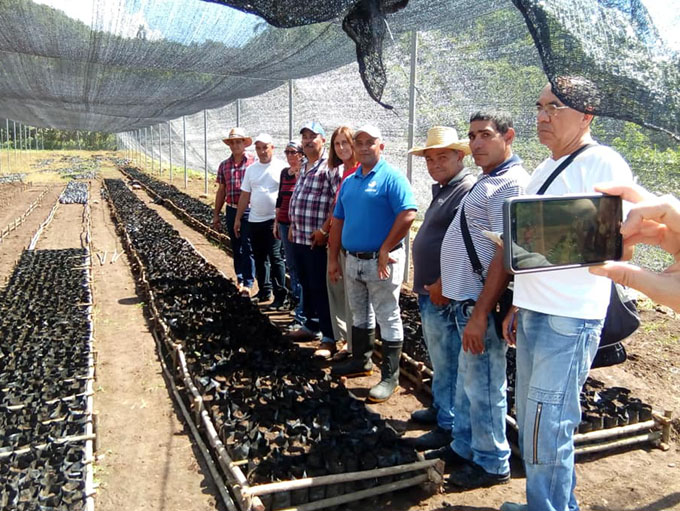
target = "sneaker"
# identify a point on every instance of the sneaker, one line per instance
(326, 349)
(425, 416)
(303, 334)
(473, 476)
(435, 439)
(512, 506)
(245, 292)
(451, 458)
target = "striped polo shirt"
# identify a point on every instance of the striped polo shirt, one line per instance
(483, 207)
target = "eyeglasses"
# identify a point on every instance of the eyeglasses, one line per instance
(290, 152)
(550, 109)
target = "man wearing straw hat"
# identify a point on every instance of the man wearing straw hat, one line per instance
(230, 175)
(443, 153)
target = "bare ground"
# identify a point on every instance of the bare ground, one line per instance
(147, 461)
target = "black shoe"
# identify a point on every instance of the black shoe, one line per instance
(473, 476)
(438, 437)
(451, 458)
(279, 304)
(425, 416)
(261, 297)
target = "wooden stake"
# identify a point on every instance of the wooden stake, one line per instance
(351, 497)
(308, 482)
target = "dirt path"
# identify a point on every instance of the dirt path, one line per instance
(631, 480)
(146, 459)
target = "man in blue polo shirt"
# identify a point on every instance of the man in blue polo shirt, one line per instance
(373, 213)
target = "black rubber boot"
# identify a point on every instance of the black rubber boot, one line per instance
(359, 363)
(390, 373)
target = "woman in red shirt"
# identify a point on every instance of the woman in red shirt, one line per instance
(341, 156)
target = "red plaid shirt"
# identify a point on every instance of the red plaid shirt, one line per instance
(231, 175)
(312, 199)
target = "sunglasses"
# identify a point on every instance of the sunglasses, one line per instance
(287, 152)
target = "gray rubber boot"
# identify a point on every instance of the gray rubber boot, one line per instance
(359, 363)
(391, 353)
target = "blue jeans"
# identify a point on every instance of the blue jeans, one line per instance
(374, 299)
(312, 267)
(443, 344)
(479, 428)
(295, 287)
(554, 354)
(244, 262)
(268, 252)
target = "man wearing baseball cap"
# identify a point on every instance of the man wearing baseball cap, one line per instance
(260, 189)
(310, 218)
(443, 153)
(373, 213)
(230, 175)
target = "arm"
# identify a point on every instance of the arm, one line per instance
(497, 280)
(398, 231)
(334, 269)
(243, 202)
(655, 221)
(219, 202)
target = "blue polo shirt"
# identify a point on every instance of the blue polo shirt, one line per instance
(369, 205)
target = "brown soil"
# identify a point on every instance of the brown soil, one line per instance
(610, 482)
(147, 461)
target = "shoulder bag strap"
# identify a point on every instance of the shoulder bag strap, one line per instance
(469, 247)
(561, 167)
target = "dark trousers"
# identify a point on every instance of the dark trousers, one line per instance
(244, 263)
(311, 264)
(268, 249)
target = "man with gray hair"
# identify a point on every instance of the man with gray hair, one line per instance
(558, 316)
(373, 213)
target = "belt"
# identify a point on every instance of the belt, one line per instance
(372, 255)
(235, 206)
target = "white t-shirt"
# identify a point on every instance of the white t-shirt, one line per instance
(262, 181)
(574, 293)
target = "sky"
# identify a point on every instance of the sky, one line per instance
(170, 19)
(163, 19)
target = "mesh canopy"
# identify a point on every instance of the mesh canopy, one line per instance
(115, 65)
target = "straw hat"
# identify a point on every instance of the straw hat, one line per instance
(442, 137)
(238, 134)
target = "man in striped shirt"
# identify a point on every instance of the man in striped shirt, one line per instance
(479, 442)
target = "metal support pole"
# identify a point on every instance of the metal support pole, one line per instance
(78, 135)
(9, 164)
(146, 149)
(238, 112)
(290, 109)
(169, 150)
(160, 154)
(151, 147)
(411, 132)
(21, 142)
(14, 142)
(184, 137)
(205, 152)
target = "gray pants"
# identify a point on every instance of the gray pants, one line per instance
(338, 301)
(373, 299)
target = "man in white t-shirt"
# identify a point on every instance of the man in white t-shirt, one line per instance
(558, 315)
(260, 188)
